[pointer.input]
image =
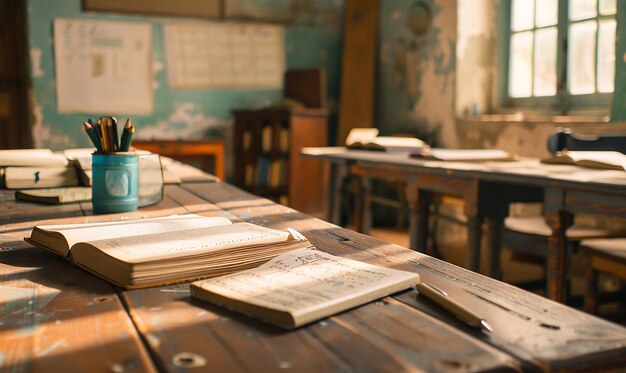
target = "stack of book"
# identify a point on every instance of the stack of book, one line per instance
(36, 168)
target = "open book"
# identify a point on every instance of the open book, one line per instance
(159, 251)
(465, 155)
(32, 158)
(368, 139)
(302, 286)
(607, 160)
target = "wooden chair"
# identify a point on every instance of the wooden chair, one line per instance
(602, 256)
(527, 238)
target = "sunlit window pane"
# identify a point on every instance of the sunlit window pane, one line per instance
(581, 9)
(607, 7)
(545, 62)
(520, 73)
(547, 13)
(606, 56)
(581, 57)
(522, 13)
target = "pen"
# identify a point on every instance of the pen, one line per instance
(441, 298)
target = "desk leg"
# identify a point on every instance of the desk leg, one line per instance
(362, 212)
(422, 218)
(494, 236)
(411, 196)
(333, 192)
(557, 254)
(474, 236)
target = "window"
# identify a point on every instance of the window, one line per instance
(559, 53)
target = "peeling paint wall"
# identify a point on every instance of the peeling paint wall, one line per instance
(416, 72)
(476, 56)
(314, 40)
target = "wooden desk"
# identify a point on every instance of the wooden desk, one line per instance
(204, 151)
(487, 189)
(58, 317)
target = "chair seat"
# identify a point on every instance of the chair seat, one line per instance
(536, 225)
(614, 248)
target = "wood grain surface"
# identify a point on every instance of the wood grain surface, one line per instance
(56, 317)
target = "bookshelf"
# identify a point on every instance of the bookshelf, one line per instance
(268, 163)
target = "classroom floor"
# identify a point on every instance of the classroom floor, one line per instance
(516, 272)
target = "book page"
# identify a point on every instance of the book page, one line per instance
(309, 284)
(32, 157)
(470, 154)
(75, 233)
(179, 243)
(606, 157)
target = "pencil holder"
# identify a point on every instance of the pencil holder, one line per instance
(115, 182)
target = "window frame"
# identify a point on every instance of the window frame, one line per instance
(563, 102)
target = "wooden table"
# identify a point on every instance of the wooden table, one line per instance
(57, 317)
(487, 189)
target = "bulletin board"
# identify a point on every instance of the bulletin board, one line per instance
(103, 66)
(218, 55)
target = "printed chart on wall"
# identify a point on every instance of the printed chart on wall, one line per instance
(211, 55)
(103, 66)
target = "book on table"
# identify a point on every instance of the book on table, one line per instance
(165, 250)
(35, 168)
(55, 196)
(39, 177)
(608, 160)
(368, 139)
(465, 155)
(32, 158)
(302, 286)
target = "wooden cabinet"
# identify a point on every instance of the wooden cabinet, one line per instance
(268, 163)
(207, 155)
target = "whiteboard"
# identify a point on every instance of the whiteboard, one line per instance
(103, 66)
(218, 55)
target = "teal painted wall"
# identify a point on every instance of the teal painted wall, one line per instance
(314, 40)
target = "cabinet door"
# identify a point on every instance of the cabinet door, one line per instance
(306, 175)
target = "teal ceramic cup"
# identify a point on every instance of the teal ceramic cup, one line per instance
(115, 182)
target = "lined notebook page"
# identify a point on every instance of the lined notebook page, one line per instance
(170, 245)
(75, 233)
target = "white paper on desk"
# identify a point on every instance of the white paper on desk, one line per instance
(103, 66)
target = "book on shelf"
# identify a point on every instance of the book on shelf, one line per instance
(283, 140)
(39, 177)
(262, 172)
(32, 158)
(368, 139)
(55, 196)
(608, 160)
(301, 287)
(266, 139)
(165, 250)
(465, 155)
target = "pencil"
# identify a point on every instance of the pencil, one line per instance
(103, 132)
(116, 143)
(93, 136)
(127, 135)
